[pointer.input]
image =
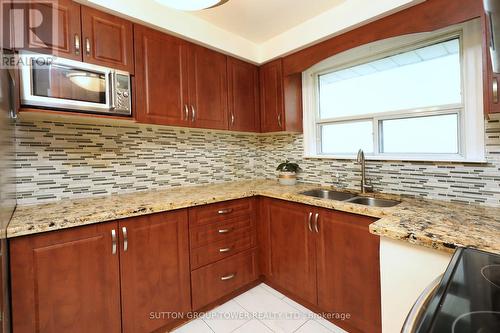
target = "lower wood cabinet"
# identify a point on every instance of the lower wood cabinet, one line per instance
(128, 275)
(325, 259)
(110, 277)
(154, 266)
(67, 281)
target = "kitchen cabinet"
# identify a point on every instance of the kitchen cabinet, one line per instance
(491, 80)
(348, 269)
(207, 88)
(292, 256)
(77, 32)
(223, 249)
(194, 78)
(103, 277)
(107, 40)
(67, 281)
(243, 96)
(154, 266)
(58, 34)
(325, 259)
(161, 84)
(280, 99)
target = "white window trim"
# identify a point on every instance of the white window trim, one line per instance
(471, 116)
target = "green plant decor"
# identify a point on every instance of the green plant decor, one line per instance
(288, 167)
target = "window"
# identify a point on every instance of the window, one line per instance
(415, 97)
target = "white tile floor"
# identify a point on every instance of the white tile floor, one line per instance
(260, 310)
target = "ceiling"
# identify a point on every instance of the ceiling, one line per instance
(260, 20)
(256, 30)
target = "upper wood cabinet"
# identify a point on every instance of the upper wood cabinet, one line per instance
(207, 79)
(155, 273)
(179, 83)
(161, 78)
(107, 40)
(66, 281)
(243, 96)
(77, 32)
(60, 31)
(280, 99)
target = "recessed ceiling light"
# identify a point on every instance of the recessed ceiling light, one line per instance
(192, 4)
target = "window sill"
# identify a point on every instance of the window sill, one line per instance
(448, 159)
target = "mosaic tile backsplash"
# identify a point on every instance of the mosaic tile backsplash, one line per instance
(59, 159)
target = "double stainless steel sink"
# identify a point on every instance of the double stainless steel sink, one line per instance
(349, 197)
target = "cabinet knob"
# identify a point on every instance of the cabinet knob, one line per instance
(225, 211)
(309, 220)
(224, 250)
(279, 121)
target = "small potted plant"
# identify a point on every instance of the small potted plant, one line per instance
(288, 173)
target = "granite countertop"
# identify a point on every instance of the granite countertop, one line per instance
(431, 223)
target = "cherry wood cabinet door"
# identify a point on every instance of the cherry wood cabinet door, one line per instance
(155, 273)
(292, 249)
(161, 78)
(349, 270)
(207, 88)
(243, 96)
(66, 281)
(271, 97)
(51, 27)
(107, 40)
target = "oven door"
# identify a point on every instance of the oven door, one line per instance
(48, 81)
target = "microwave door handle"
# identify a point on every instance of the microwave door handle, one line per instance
(112, 91)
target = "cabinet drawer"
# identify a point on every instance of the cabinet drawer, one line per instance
(221, 278)
(214, 252)
(221, 211)
(212, 233)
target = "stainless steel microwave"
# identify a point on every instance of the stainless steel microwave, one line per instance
(57, 83)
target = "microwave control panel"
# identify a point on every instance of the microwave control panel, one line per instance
(123, 99)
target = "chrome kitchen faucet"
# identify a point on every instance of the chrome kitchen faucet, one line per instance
(366, 186)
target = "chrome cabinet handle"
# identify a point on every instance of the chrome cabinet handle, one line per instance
(316, 222)
(77, 44)
(193, 114)
(224, 250)
(87, 46)
(125, 239)
(186, 112)
(224, 231)
(225, 211)
(495, 90)
(279, 121)
(113, 241)
(232, 119)
(309, 221)
(228, 277)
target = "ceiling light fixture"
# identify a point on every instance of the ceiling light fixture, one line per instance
(191, 5)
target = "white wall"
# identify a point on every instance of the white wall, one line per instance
(405, 271)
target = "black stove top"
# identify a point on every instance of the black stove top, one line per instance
(468, 298)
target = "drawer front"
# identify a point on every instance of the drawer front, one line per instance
(215, 213)
(214, 252)
(213, 233)
(214, 281)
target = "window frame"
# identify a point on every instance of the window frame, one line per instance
(470, 111)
